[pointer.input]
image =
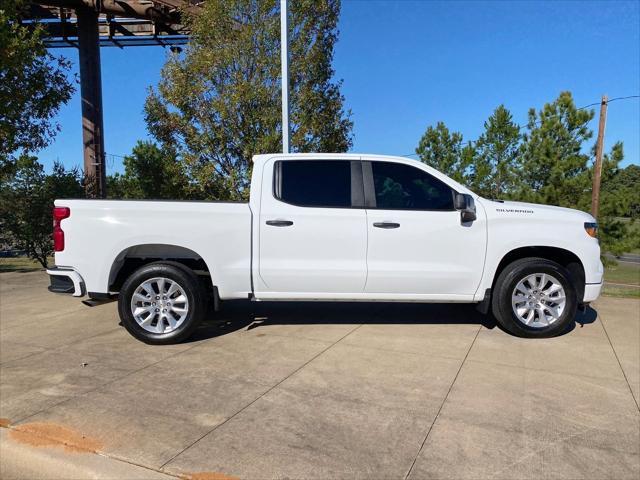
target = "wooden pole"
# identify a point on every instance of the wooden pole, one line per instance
(597, 168)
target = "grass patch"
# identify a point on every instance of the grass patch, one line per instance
(617, 291)
(623, 272)
(20, 264)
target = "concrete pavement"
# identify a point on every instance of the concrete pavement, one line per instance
(315, 391)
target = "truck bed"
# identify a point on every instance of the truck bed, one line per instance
(99, 233)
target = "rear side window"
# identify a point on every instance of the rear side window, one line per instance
(313, 183)
(402, 187)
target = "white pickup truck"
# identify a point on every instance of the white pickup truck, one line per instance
(329, 227)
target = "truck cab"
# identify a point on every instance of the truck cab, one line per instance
(363, 228)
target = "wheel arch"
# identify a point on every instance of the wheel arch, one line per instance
(135, 256)
(563, 257)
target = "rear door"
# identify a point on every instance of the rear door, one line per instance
(417, 245)
(313, 230)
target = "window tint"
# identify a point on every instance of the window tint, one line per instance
(403, 187)
(314, 183)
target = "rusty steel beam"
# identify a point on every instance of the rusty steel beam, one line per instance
(132, 9)
(124, 42)
(91, 98)
(161, 15)
(190, 6)
(113, 29)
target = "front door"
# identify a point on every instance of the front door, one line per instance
(312, 240)
(417, 244)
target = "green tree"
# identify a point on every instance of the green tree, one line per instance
(26, 202)
(615, 202)
(219, 103)
(33, 86)
(554, 165)
(150, 172)
(64, 183)
(495, 171)
(626, 180)
(444, 151)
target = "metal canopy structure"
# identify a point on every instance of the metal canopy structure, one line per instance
(120, 23)
(91, 24)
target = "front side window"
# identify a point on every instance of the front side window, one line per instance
(313, 183)
(402, 187)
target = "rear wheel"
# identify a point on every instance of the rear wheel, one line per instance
(162, 303)
(534, 297)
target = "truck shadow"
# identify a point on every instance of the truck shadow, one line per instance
(241, 314)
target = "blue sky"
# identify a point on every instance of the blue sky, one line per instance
(408, 64)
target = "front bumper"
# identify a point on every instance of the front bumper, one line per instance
(591, 292)
(66, 280)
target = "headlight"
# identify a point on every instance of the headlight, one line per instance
(591, 228)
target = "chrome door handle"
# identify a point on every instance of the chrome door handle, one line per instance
(386, 225)
(280, 223)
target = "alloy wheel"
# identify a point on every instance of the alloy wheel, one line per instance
(538, 300)
(159, 305)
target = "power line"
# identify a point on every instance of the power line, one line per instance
(520, 127)
(109, 158)
(622, 98)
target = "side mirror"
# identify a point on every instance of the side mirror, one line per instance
(466, 205)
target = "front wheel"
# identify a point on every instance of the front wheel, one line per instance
(161, 303)
(534, 298)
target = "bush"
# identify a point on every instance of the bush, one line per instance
(26, 203)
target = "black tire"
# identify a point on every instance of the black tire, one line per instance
(505, 285)
(192, 288)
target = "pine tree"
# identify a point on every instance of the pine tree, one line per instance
(549, 164)
(615, 202)
(555, 167)
(495, 170)
(444, 151)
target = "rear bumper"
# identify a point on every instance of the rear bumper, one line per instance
(591, 292)
(66, 280)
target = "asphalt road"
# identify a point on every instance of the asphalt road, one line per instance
(312, 391)
(626, 258)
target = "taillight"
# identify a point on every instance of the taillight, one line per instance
(59, 214)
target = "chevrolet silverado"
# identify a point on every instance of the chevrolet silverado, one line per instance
(339, 227)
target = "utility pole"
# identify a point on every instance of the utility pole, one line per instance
(91, 96)
(597, 168)
(284, 64)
